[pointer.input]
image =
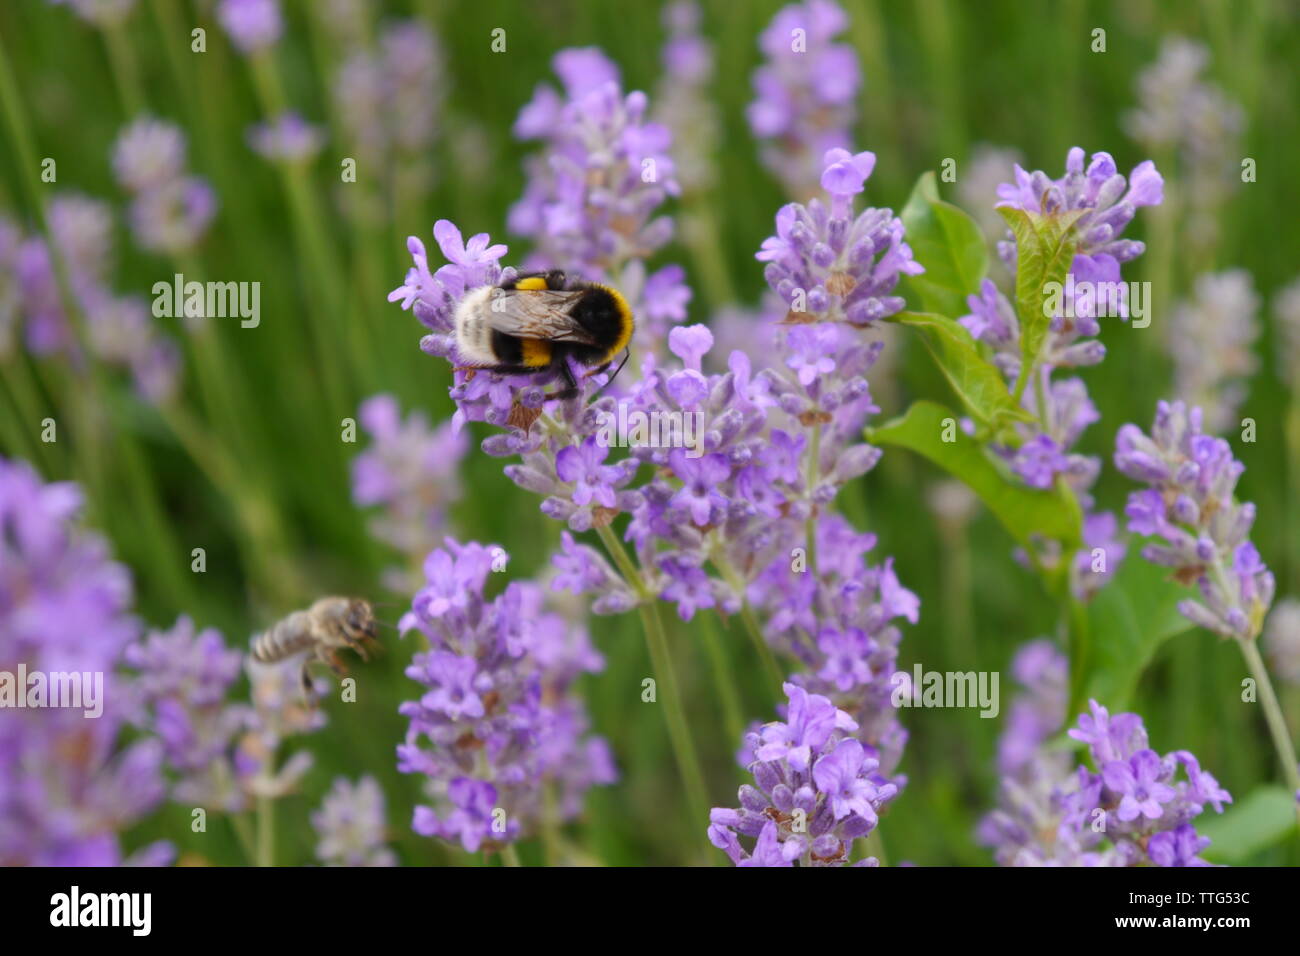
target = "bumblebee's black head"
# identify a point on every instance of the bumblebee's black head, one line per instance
(605, 315)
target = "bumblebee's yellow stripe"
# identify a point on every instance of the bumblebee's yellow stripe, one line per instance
(625, 326)
(532, 284)
(536, 352)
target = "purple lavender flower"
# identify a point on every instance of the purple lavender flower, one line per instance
(1282, 640)
(1041, 455)
(804, 92)
(390, 102)
(173, 218)
(1190, 506)
(350, 825)
(68, 783)
(1136, 811)
(287, 138)
(815, 791)
(183, 687)
(1181, 114)
(1211, 339)
(681, 101)
(99, 13)
(838, 622)
(1038, 712)
(410, 472)
(496, 712)
(252, 25)
(593, 194)
(831, 266)
(148, 153)
(170, 211)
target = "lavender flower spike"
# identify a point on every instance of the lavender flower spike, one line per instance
(1190, 506)
(350, 824)
(495, 710)
(1137, 810)
(813, 795)
(804, 92)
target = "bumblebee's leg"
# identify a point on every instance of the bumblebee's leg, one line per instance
(499, 369)
(358, 644)
(336, 665)
(571, 390)
(308, 691)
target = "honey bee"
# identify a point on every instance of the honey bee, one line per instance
(327, 627)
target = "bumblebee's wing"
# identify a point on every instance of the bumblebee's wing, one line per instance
(538, 314)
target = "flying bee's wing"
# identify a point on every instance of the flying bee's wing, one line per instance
(537, 314)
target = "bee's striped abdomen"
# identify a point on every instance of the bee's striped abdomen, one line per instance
(291, 636)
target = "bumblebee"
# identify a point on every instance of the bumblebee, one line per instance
(539, 322)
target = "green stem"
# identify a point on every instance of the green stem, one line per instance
(510, 856)
(814, 475)
(679, 733)
(723, 678)
(126, 74)
(775, 675)
(688, 761)
(244, 832)
(265, 831)
(1273, 715)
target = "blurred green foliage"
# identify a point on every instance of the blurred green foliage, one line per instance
(940, 76)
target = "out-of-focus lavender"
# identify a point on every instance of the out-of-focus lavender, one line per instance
(1282, 640)
(978, 181)
(411, 473)
(119, 329)
(682, 102)
(389, 100)
(183, 688)
(1286, 311)
(816, 791)
(170, 211)
(1044, 453)
(804, 93)
(1189, 505)
(1136, 811)
(1192, 122)
(495, 728)
(1211, 339)
(350, 825)
(287, 138)
(99, 13)
(69, 784)
(252, 25)
(1036, 713)
(220, 748)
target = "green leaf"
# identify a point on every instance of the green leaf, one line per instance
(978, 384)
(1265, 816)
(1022, 511)
(1128, 620)
(1044, 250)
(949, 244)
